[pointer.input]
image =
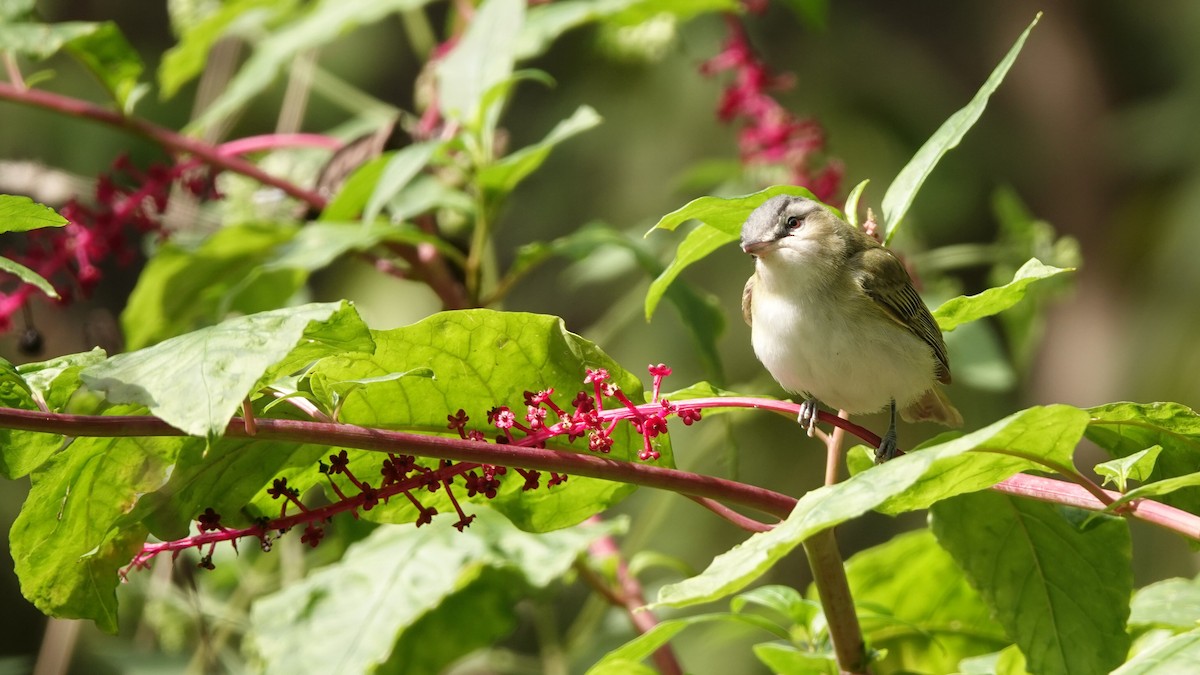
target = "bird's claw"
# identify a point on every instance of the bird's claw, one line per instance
(808, 415)
(887, 448)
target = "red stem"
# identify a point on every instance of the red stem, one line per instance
(161, 135)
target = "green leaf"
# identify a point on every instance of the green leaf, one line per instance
(225, 476)
(482, 59)
(400, 169)
(1133, 467)
(1180, 654)
(784, 600)
(913, 481)
(1007, 661)
(963, 309)
(21, 451)
(721, 222)
(852, 202)
(197, 381)
(915, 604)
(21, 214)
(782, 657)
(186, 60)
(484, 359)
(649, 642)
(1061, 593)
(112, 60)
(28, 276)
(545, 23)
(12, 10)
(41, 41)
(431, 595)
(1157, 489)
(1123, 429)
(181, 290)
(1171, 603)
(326, 21)
(65, 549)
(505, 174)
(57, 378)
(695, 247)
(903, 190)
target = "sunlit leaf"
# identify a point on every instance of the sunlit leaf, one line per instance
(919, 631)
(401, 168)
(1061, 592)
(65, 549)
(110, 57)
(21, 214)
(28, 276)
(1171, 603)
(1133, 467)
(1180, 654)
(963, 309)
(482, 359)
(913, 481)
(197, 381)
(503, 176)
(1123, 429)
(431, 594)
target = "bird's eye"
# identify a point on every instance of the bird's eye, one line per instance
(793, 222)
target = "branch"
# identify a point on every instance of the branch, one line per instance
(436, 447)
(167, 138)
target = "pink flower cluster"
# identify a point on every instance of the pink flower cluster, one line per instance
(770, 133)
(128, 200)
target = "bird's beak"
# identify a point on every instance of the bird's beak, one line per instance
(755, 247)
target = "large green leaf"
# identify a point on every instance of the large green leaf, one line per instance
(903, 190)
(1126, 428)
(324, 22)
(21, 451)
(428, 596)
(482, 59)
(963, 309)
(1060, 591)
(65, 549)
(914, 602)
(720, 223)
(914, 481)
(1171, 603)
(21, 214)
(181, 290)
(197, 381)
(482, 359)
(1180, 654)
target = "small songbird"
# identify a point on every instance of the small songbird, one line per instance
(834, 317)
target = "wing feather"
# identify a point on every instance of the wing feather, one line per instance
(891, 287)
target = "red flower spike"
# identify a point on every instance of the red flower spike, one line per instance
(312, 535)
(209, 521)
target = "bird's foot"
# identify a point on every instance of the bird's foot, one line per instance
(887, 448)
(808, 414)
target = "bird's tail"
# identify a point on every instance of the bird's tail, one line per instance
(933, 406)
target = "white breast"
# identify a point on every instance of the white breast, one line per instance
(839, 351)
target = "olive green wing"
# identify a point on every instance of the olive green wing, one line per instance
(890, 286)
(747, 297)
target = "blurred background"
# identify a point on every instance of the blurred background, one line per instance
(1094, 130)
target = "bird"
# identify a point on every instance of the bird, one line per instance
(834, 317)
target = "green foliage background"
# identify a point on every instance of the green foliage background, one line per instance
(1094, 129)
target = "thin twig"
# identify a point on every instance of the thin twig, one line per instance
(167, 138)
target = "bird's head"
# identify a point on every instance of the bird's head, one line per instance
(790, 227)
